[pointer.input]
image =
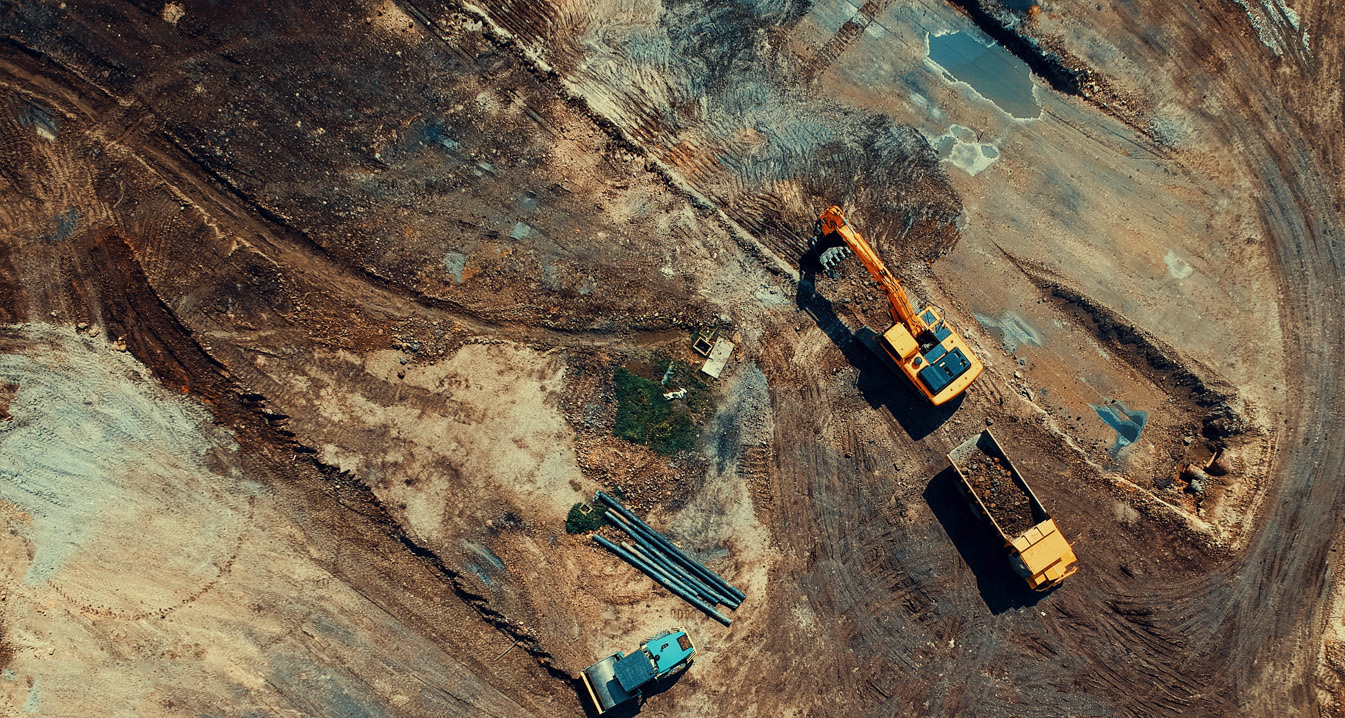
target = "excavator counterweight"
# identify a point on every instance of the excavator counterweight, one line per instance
(927, 350)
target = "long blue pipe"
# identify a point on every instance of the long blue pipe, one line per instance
(676, 579)
(722, 589)
(696, 567)
(710, 577)
(658, 576)
(657, 556)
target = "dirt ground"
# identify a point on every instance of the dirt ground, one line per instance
(311, 313)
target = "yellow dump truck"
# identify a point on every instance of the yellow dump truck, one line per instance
(996, 490)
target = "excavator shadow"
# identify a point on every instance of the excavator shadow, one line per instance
(879, 383)
(981, 549)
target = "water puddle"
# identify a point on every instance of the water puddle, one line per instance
(34, 697)
(968, 155)
(1178, 268)
(992, 71)
(550, 276)
(47, 124)
(1128, 424)
(436, 134)
(771, 298)
(526, 202)
(481, 574)
(491, 561)
(520, 231)
(65, 226)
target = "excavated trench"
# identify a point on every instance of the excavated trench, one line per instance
(1001, 24)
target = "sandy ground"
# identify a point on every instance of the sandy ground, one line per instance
(146, 574)
(313, 318)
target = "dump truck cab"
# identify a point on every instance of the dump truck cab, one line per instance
(620, 677)
(1043, 557)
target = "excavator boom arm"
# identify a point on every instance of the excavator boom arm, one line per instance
(898, 303)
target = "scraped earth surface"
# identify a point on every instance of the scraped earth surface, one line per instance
(311, 315)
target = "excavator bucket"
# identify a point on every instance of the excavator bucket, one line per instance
(834, 256)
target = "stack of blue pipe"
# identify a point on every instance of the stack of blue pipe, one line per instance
(660, 560)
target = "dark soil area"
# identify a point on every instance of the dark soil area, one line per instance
(1007, 502)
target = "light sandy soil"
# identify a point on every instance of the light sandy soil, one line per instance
(145, 574)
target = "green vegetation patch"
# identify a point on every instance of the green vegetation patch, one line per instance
(701, 398)
(582, 519)
(645, 417)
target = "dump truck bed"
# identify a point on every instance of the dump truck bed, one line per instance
(996, 486)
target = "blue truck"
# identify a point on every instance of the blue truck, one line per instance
(619, 677)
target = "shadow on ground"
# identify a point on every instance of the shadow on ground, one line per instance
(879, 383)
(980, 546)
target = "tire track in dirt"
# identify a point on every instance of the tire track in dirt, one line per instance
(1123, 648)
(142, 133)
(1124, 640)
(359, 288)
(1132, 639)
(823, 57)
(1258, 656)
(131, 306)
(331, 501)
(892, 589)
(752, 142)
(854, 564)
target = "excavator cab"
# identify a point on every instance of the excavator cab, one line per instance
(938, 362)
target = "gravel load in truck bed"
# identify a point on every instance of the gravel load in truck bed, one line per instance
(1002, 496)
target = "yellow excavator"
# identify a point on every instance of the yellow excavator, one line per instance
(930, 353)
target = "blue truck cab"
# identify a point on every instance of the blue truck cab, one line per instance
(619, 677)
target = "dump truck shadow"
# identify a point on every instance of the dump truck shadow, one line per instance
(878, 382)
(980, 547)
